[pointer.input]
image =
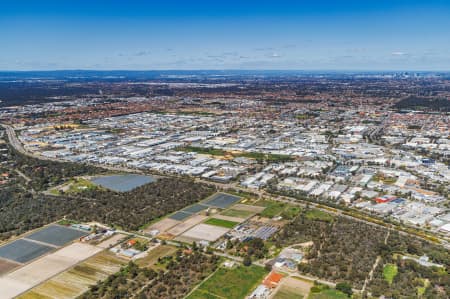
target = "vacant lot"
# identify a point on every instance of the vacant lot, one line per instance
(318, 215)
(249, 208)
(162, 225)
(152, 257)
(223, 284)
(237, 213)
(77, 280)
(293, 288)
(184, 226)
(272, 208)
(221, 222)
(205, 232)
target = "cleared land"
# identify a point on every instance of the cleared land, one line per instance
(22, 251)
(205, 232)
(6, 266)
(221, 222)
(184, 226)
(77, 280)
(293, 288)
(34, 273)
(162, 225)
(152, 257)
(237, 213)
(249, 208)
(223, 283)
(56, 235)
(221, 200)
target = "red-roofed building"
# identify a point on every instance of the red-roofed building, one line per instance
(272, 279)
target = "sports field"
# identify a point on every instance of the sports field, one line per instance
(223, 283)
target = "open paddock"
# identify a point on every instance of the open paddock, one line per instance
(293, 287)
(162, 225)
(152, 256)
(248, 208)
(113, 240)
(205, 232)
(184, 226)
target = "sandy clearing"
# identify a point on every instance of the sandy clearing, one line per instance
(30, 275)
(184, 226)
(162, 225)
(205, 232)
(242, 207)
(111, 241)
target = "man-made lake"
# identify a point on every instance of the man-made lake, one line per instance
(122, 183)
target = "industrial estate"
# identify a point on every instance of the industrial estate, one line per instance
(227, 187)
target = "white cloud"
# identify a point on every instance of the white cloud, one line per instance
(398, 53)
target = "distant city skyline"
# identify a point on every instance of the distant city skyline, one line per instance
(259, 35)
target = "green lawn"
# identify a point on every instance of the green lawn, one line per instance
(319, 215)
(389, 272)
(234, 283)
(237, 213)
(221, 222)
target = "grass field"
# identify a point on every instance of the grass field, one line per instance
(237, 213)
(223, 284)
(389, 272)
(221, 222)
(293, 287)
(319, 215)
(151, 259)
(273, 208)
(288, 293)
(328, 294)
(290, 212)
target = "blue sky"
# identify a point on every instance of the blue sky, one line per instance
(301, 35)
